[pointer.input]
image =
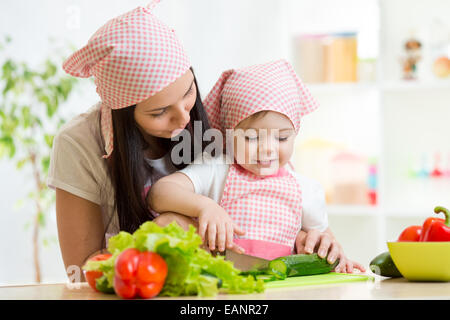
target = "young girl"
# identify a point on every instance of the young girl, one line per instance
(252, 202)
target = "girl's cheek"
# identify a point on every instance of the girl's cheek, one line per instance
(251, 153)
(239, 151)
(287, 149)
(244, 150)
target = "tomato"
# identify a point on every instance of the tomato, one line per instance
(92, 276)
(411, 233)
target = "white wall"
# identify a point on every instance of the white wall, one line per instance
(217, 34)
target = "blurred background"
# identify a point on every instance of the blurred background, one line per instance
(379, 143)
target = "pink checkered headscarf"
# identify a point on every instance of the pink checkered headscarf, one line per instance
(274, 86)
(132, 57)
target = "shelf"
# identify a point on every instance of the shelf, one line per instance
(372, 211)
(389, 86)
(409, 213)
(340, 87)
(353, 210)
(401, 86)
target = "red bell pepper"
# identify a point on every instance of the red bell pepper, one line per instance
(435, 229)
(426, 226)
(411, 233)
(139, 274)
(92, 276)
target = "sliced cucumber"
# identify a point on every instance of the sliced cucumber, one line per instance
(300, 265)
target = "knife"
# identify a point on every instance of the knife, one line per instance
(245, 262)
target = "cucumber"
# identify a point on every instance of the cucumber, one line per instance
(300, 265)
(383, 265)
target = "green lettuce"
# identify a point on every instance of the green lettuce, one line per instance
(192, 270)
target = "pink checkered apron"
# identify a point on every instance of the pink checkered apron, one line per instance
(268, 209)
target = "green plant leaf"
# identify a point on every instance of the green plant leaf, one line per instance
(45, 162)
(8, 69)
(41, 219)
(49, 139)
(50, 70)
(26, 117)
(8, 144)
(21, 163)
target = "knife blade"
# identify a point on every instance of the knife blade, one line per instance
(245, 262)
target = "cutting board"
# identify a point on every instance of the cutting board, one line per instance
(327, 278)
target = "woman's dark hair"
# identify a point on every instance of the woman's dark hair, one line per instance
(127, 166)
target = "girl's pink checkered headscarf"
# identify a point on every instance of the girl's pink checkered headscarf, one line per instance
(274, 86)
(132, 57)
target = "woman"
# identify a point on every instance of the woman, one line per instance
(104, 160)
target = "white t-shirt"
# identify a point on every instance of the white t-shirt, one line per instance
(209, 178)
(77, 166)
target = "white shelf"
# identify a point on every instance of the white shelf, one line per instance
(353, 210)
(376, 211)
(340, 87)
(409, 213)
(389, 86)
(401, 86)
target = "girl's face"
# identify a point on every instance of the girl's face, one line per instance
(166, 113)
(265, 143)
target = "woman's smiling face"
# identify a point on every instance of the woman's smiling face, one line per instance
(166, 113)
(265, 143)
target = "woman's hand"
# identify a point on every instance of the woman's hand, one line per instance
(325, 245)
(216, 224)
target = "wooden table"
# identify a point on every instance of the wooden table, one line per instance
(380, 289)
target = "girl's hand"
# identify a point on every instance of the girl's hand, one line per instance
(215, 223)
(326, 246)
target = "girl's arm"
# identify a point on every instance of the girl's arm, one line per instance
(176, 193)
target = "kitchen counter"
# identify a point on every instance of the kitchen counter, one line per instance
(381, 288)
